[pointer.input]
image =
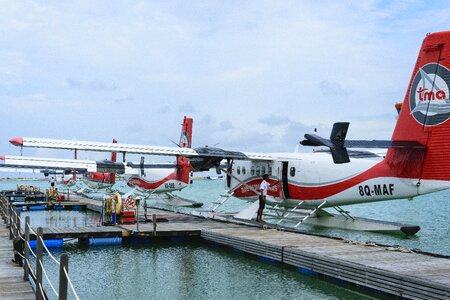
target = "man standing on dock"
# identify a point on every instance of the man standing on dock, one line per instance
(263, 188)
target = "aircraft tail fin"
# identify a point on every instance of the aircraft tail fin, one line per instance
(113, 159)
(183, 166)
(424, 115)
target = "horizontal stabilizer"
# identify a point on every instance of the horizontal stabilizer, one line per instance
(338, 144)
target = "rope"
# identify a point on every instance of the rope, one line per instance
(40, 288)
(48, 252)
(31, 230)
(71, 285)
(32, 252)
(48, 279)
(30, 269)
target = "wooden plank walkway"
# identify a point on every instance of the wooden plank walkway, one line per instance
(12, 285)
(387, 269)
(405, 274)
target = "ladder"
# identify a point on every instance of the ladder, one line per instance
(286, 213)
(310, 214)
(343, 212)
(221, 200)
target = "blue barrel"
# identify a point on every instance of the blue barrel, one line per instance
(105, 241)
(49, 243)
(38, 207)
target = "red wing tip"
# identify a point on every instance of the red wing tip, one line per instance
(18, 141)
(2, 157)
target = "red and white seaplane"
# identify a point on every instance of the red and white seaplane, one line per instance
(147, 180)
(416, 161)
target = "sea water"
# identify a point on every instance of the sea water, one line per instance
(198, 270)
(187, 270)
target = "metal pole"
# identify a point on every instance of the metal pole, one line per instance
(63, 264)
(39, 252)
(26, 249)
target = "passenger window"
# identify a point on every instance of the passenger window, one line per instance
(252, 171)
(258, 171)
(239, 170)
(270, 171)
(243, 170)
(292, 172)
(263, 170)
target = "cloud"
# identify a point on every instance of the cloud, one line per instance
(164, 109)
(225, 125)
(186, 108)
(274, 120)
(332, 88)
(135, 127)
(95, 85)
(243, 73)
(123, 100)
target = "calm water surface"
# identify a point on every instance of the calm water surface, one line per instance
(189, 271)
(194, 270)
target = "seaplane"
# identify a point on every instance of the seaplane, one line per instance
(145, 180)
(98, 181)
(415, 162)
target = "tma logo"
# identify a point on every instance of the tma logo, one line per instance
(429, 95)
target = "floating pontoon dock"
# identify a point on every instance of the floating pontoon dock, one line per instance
(394, 271)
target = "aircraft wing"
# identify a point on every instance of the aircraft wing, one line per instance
(62, 164)
(201, 159)
(102, 147)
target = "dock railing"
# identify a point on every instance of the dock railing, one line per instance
(13, 221)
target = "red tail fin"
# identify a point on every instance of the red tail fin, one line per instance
(113, 159)
(425, 112)
(114, 154)
(186, 133)
(183, 166)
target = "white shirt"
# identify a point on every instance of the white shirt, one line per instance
(264, 186)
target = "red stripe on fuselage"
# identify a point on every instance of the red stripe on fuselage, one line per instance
(299, 192)
(137, 181)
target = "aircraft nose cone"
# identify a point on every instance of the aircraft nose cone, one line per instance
(18, 141)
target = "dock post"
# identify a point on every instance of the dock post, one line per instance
(17, 223)
(63, 265)
(26, 249)
(10, 221)
(2, 206)
(145, 209)
(39, 252)
(154, 224)
(137, 201)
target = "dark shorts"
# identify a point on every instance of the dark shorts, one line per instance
(262, 202)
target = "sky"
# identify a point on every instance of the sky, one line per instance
(254, 75)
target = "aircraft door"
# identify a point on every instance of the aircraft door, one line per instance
(284, 178)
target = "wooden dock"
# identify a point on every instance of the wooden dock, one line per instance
(394, 271)
(387, 269)
(12, 285)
